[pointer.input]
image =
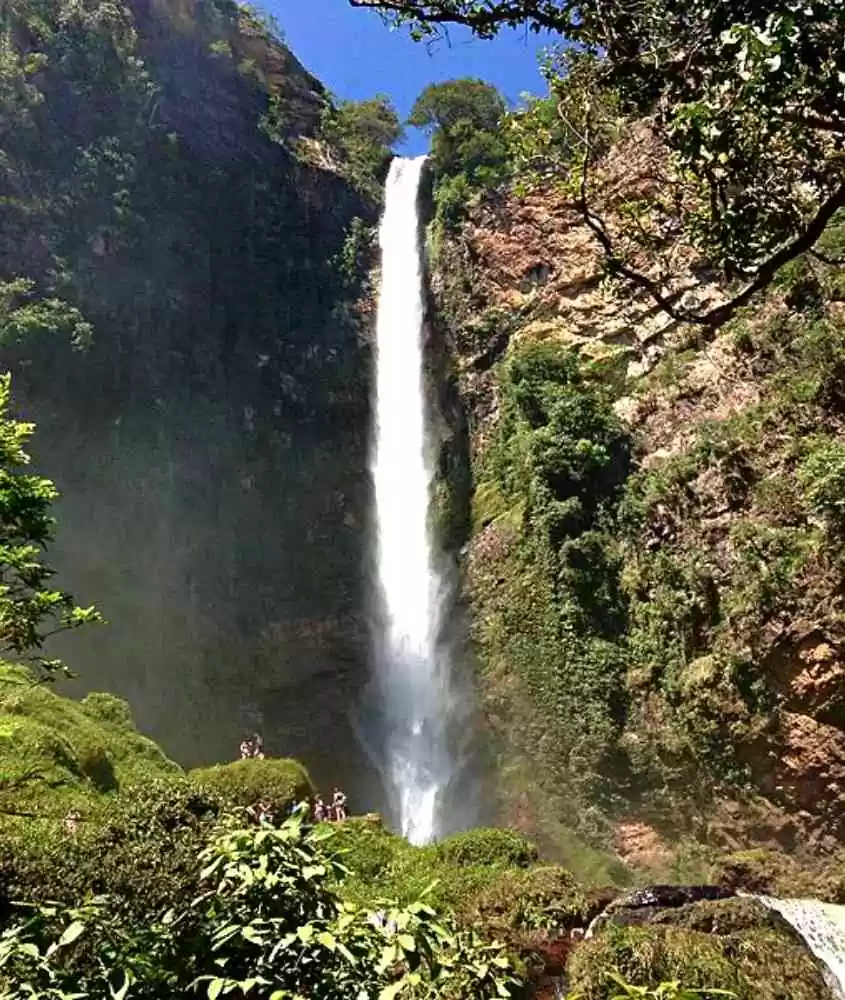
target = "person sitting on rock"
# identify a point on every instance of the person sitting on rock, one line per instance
(257, 746)
(246, 749)
(339, 804)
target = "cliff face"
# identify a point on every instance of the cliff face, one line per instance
(210, 443)
(655, 560)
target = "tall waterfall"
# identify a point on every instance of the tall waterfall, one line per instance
(413, 668)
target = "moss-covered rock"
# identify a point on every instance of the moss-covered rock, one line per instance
(762, 963)
(56, 753)
(279, 781)
(542, 898)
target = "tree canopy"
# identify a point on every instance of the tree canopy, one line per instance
(363, 133)
(468, 153)
(446, 105)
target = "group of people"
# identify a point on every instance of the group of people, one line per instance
(252, 748)
(330, 812)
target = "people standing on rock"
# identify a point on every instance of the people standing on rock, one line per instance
(339, 804)
(252, 748)
(320, 811)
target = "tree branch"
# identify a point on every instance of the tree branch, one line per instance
(720, 314)
(489, 20)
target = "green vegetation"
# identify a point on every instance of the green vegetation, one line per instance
(137, 850)
(451, 873)
(262, 917)
(30, 610)
(552, 615)
(538, 898)
(281, 783)
(57, 754)
(364, 133)
(755, 964)
(468, 155)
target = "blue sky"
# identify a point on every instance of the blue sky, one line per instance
(357, 56)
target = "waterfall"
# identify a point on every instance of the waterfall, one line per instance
(822, 926)
(413, 669)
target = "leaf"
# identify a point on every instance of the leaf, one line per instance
(71, 933)
(407, 942)
(327, 940)
(305, 933)
(391, 991)
(215, 988)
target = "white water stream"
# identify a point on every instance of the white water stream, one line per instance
(413, 669)
(822, 926)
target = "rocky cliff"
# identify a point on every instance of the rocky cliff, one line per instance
(654, 562)
(209, 440)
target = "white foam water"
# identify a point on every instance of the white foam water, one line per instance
(822, 926)
(412, 665)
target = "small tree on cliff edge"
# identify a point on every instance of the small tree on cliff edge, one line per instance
(749, 95)
(468, 152)
(30, 611)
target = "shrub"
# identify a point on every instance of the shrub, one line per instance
(263, 914)
(108, 708)
(280, 781)
(140, 848)
(488, 846)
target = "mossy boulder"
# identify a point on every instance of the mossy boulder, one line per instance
(57, 753)
(542, 898)
(762, 963)
(280, 781)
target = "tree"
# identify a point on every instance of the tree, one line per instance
(468, 153)
(30, 610)
(747, 95)
(443, 106)
(364, 133)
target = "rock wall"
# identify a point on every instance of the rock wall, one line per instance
(670, 675)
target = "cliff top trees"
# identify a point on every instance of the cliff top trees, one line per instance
(748, 95)
(467, 148)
